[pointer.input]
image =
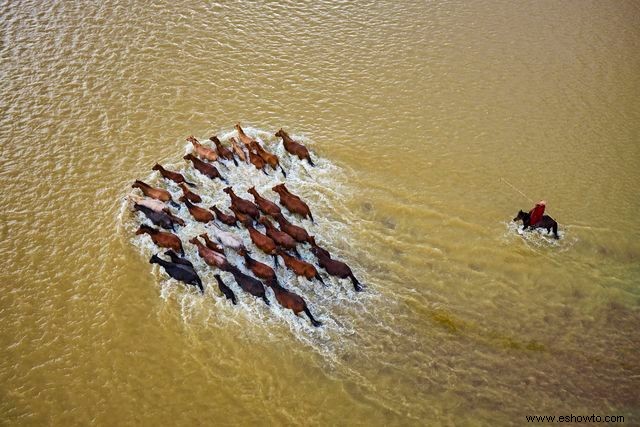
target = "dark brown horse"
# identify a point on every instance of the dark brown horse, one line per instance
(161, 219)
(223, 151)
(200, 214)
(162, 238)
(224, 218)
(242, 205)
(292, 202)
(202, 151)
(546, 222)
(176, 177)
(249, 284)
(265, 205)
(204, 168)
(292, 301)
(294, 147)
(188, 194)
(298, 233)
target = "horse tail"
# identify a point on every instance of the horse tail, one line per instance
(314, 322)
(283, 172)
(190, 184)
(311, 216)
(356, 285)
(235, 162)
(198, 283)
(555, 230)
(310, 161)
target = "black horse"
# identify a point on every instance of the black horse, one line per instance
(546, 222)
(180, 272)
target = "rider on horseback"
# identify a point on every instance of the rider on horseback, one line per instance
(536, 213)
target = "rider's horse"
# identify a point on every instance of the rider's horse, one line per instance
(546, 222)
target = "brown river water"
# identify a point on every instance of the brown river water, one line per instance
(424, 119)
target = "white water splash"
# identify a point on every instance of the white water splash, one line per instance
(336, 305)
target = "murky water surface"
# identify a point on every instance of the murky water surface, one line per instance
(422, 117)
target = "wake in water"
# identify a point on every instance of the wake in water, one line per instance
(334, 304)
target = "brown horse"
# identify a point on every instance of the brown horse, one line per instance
(292, 202)
(171, 175)
(300, 267)
(200, 214)
(224, 218)
(294, 147)
(242, 217)
(292, 301)
(202, 151)
(257, 161)
(259, 269)
(244, 138)
(264, 243)
(211, 244)
(268, 157)
(280, 237)
(204, 168)
(335, 268)
(223, 151)
(265, 205)
(213, 258)
(155, 193)
(238, 150)
(162, 238)
(188, 194)
(312, 242)
(298, 233)
(242, 205)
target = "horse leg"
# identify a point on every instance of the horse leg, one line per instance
(320, 279)
(356, 284)
(314, 322)
(555, 230)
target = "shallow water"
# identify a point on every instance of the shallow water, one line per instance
(418, 115)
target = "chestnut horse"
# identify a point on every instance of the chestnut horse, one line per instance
(280, 237)
(162, 238)
(300, 267)
(268, 157)
(292, 301)
(238, 150)
(171, 175)
(265, 205)
(294, 147)
(292, 202)
(200, 214)
(224, 218)
(188, 194)
(204, 168)
(298, 233)
(334, 267)
(242, 205)
(154, 193)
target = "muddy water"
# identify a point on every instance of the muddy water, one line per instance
(419, 115)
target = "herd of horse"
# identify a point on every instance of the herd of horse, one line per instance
(282, 242)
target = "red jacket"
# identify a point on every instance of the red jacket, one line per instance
(536, 214)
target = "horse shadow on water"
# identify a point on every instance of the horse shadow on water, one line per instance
(546, 222)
